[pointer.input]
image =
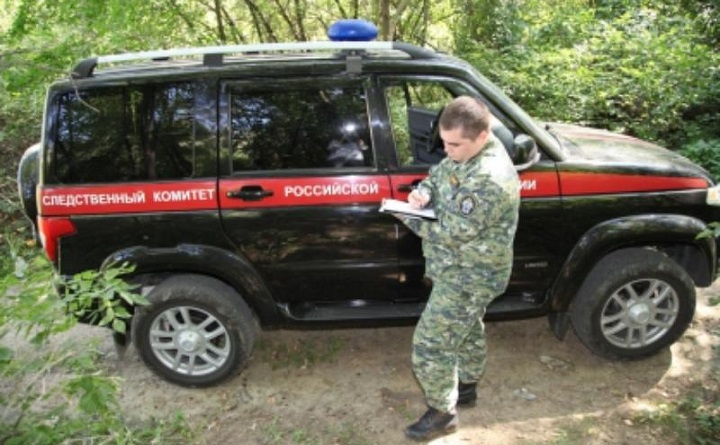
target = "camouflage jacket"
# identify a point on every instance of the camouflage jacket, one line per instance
(477, 204)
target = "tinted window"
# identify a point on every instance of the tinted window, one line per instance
(299, 127)
(150, 132)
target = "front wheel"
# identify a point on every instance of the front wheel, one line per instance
(634, 303)
(196, 332)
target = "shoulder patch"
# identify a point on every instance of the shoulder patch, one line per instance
(467, 205)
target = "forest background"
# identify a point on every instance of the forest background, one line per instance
(647, 68)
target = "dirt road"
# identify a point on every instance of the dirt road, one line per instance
(354, 387)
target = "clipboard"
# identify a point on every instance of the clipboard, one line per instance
(404, 208)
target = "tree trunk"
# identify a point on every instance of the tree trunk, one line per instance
(219, 20)
(384, 12)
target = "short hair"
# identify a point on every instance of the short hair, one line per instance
(469, 114)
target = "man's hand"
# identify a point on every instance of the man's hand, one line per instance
(418, 199)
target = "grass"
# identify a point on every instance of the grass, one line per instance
(60, 395)
(576, 433)
(276, 432)
(694, 419)
(299, 353)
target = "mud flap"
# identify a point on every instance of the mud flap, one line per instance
(121, 343)
(559, 323)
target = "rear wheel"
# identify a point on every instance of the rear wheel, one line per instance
(197, 331)
(634, 303)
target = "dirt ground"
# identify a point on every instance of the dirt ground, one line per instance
(356, 386)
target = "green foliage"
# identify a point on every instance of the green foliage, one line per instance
(102, 297)
(28, 299)
(496, 24)
(643, 67)
(643, 70)
(692, 420)
(10, 212)
(81, 403)
(713, 231)
(45, 40)
(706, 154)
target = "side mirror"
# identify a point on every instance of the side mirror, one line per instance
(525, 153)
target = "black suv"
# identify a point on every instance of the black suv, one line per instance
(244, 183)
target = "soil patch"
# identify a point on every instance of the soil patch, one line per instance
(356, 387)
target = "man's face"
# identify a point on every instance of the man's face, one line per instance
(460, 148)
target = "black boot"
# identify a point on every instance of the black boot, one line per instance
(432, 424)
(467, 395)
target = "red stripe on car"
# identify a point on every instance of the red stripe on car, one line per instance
(573, 184)
(306, 191)
(128, 198)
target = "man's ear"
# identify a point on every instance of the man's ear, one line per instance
(482, 137)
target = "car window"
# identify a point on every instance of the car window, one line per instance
(138, 133)
(299, 126)
(414, 106)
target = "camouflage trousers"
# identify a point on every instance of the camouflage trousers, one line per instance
(449, 341)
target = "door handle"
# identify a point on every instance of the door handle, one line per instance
(250, 193)
(408, 187)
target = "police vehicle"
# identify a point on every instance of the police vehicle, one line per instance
(243, 182)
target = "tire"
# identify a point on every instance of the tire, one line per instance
(634, 303)
(196, 332)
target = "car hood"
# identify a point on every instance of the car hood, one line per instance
(621, 151)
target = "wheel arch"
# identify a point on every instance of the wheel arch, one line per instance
(153, 265)
(674, 235)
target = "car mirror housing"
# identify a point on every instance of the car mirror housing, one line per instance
(525, 152)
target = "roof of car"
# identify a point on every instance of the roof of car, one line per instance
(293, 58)
(217, 56)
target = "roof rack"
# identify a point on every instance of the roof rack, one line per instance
(213, 55)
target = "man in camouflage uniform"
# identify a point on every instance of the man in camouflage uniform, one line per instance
(475, 192)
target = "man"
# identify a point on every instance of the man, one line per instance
(475, 193)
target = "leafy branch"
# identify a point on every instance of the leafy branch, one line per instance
(102, 297)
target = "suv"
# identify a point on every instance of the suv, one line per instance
(243, 183)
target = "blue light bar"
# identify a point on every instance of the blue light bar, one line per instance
(352, 30)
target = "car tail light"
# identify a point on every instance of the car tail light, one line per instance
(51, 229)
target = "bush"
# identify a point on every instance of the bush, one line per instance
(706, 154)
(81, 406)
(644, 72)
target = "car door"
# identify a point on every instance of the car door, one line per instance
(414, 103)
(302, 190)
